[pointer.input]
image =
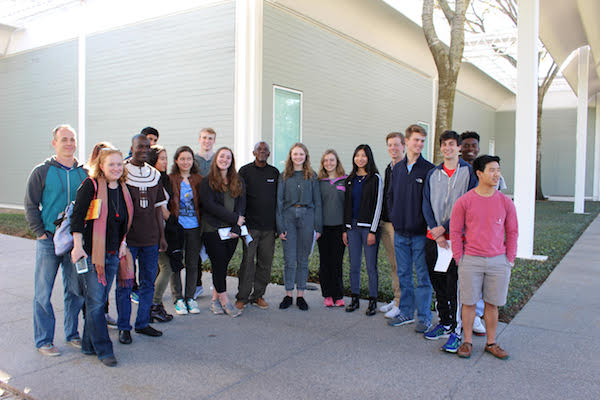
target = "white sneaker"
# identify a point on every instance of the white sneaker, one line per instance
(393, 313)
(192, 306)
(478, 328)
(387, 307)
(180, 307)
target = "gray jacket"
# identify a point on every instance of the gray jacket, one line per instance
(441, 192)
(296, 190)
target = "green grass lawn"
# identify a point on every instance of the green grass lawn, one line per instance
(556, 229)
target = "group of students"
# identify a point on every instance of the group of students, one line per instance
(132, 213)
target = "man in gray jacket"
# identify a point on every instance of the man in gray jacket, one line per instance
(51, 186)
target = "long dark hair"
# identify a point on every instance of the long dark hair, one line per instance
(371, 168)
(183, 149)
(215, 180)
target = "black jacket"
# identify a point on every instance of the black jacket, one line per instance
(371, 203)
(405, 197)
(213, 207)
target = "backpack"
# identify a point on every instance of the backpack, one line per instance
(63, 238)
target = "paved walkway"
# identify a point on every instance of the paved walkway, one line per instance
(320, 354)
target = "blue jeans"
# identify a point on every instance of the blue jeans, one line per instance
(357, 241)
(300, 225)
(409, 250)
(95, 332)
(46, 268)
(148, 266)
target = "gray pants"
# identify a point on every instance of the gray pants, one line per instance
(296, 249)
(163, 277)
(255, 270)
(193, 244)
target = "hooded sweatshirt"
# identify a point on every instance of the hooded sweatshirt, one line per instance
(50, 188)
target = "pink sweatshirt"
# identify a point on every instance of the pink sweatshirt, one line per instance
(489, 225)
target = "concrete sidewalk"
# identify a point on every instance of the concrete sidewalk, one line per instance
(322, 353)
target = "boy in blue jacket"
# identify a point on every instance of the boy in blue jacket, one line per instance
(405, 200)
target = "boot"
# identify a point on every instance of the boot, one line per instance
(372, 309)
(165, 313)
(159, 314)
(354, 305)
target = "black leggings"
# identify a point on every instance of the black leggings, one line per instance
(220, 253)
(331, 255)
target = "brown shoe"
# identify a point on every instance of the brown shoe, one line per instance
(464, 351)
(496, 351)
(49, 350)
(261, 303)
(240, 305)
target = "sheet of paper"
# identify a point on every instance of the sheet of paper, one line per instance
(444, 258)
(224, 233)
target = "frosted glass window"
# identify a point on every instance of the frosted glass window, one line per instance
(287, 123)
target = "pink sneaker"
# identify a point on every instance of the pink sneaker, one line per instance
(328, 302)
(340, 303)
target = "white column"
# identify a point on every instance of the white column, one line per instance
(597, 151)
(581, 134)
(248, 78)
(526, 123)
(81, 55)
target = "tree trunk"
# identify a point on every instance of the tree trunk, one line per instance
(539, 195)
(448, 60)
(444, 111)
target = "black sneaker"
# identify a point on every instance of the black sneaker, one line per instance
(109, 361)
(159, 314)
(301, 303)
(286, 302)
(149, 331)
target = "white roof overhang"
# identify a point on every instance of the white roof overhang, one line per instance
(568, 25)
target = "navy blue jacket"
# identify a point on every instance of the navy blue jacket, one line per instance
(405, 197)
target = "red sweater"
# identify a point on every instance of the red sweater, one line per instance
(489, 225)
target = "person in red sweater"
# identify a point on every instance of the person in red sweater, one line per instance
(483, 233)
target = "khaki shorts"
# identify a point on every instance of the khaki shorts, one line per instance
(483, 277)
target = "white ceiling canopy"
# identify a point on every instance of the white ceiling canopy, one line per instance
(567, 25)
(487, 50)
(16, 12)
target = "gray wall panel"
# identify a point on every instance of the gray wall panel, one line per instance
(351, 95)
(38, 91)
(471, 115)
(558, 150)
(175, 73)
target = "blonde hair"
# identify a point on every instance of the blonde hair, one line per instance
(95, 167)
(289, 164)
(339, 169)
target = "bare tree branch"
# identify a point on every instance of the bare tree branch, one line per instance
(476, 23)
(547, 82)
(448, 13)
(509, 8)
